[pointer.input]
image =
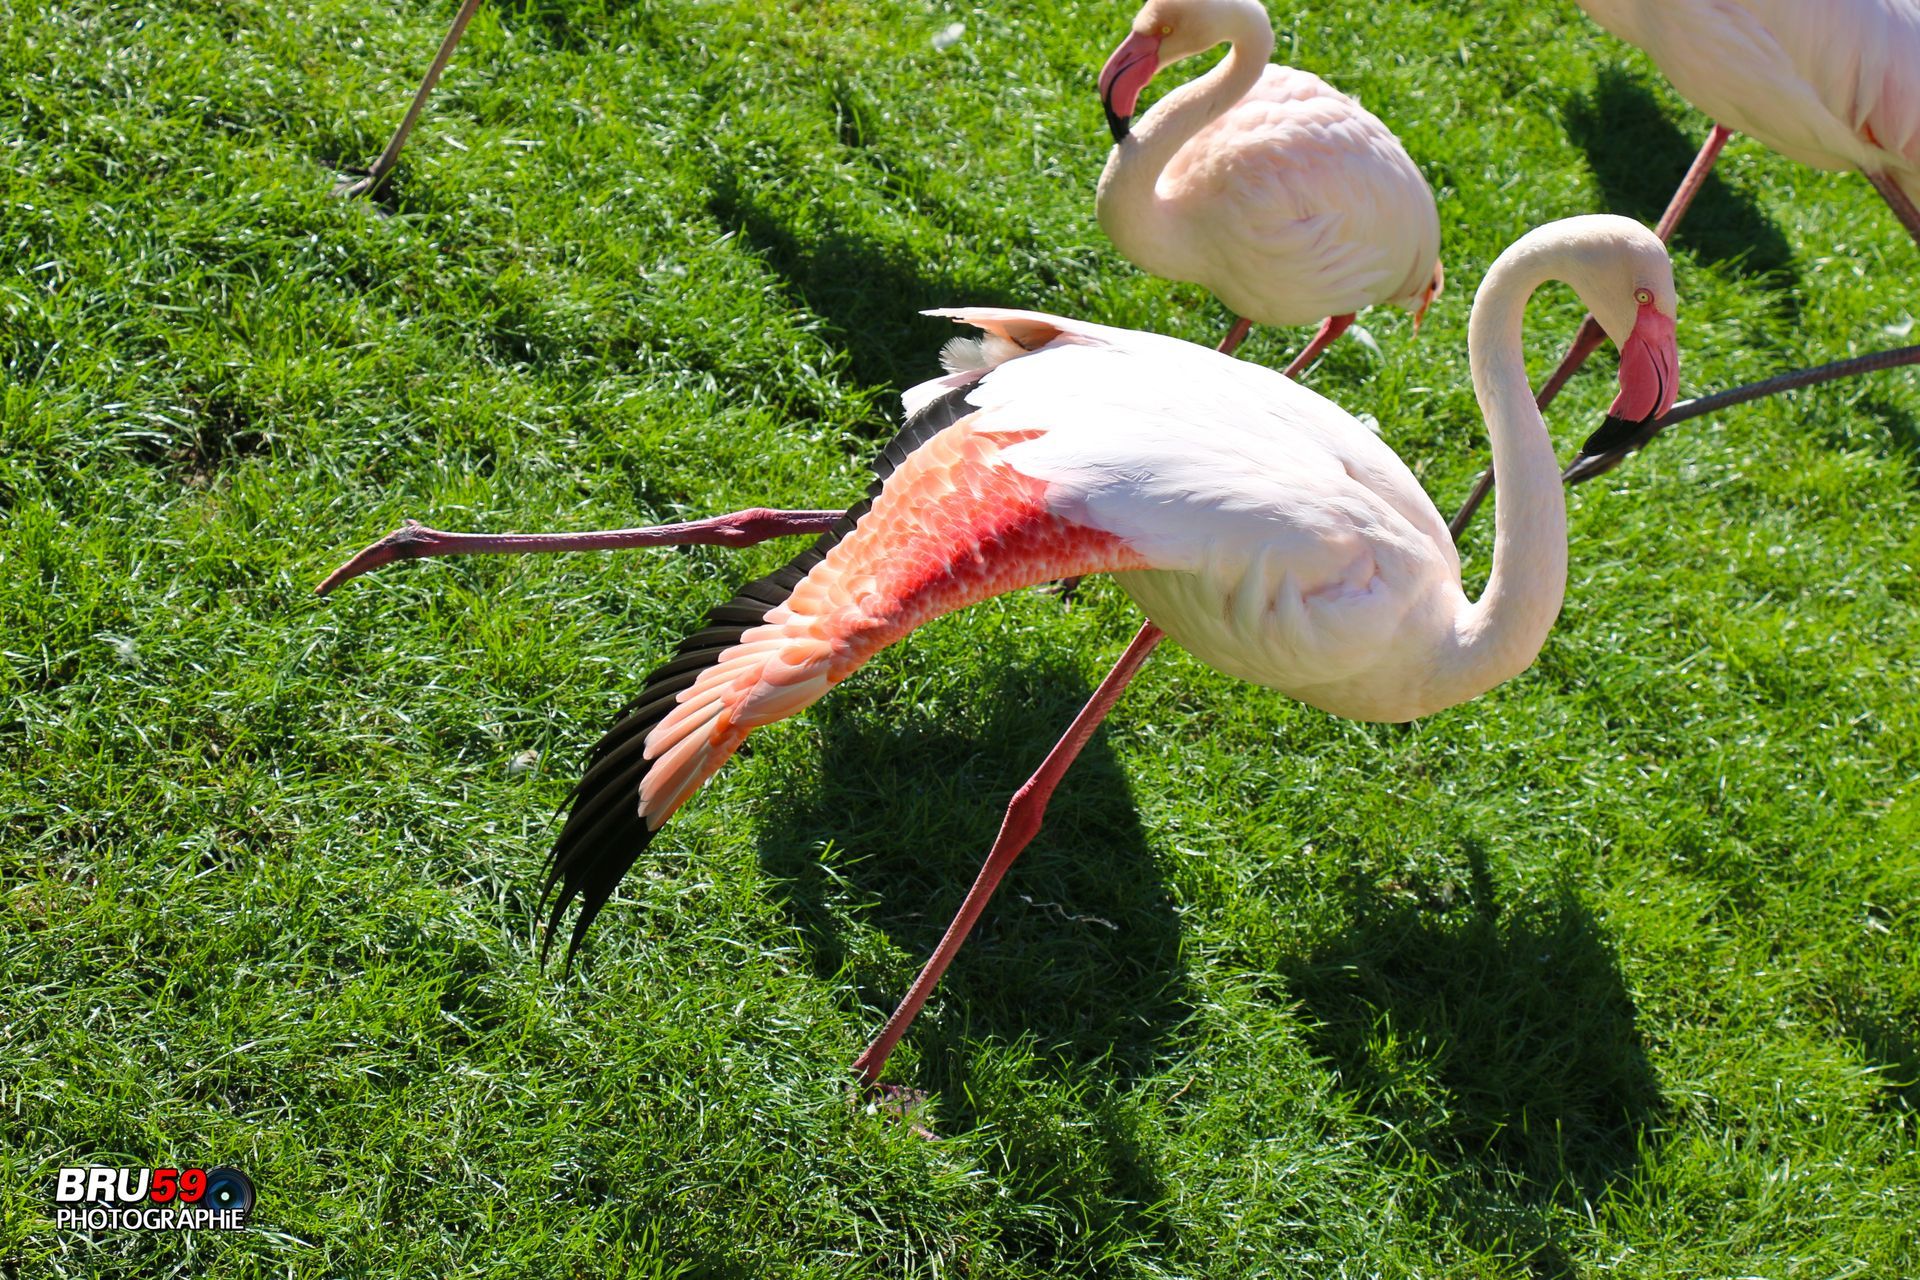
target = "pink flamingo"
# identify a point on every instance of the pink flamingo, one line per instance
(1267, 185)
(1257, 523)
(1834, 85)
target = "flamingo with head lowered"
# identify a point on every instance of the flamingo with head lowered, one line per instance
(1831, 83)
(1254, 521)
(1280, 194)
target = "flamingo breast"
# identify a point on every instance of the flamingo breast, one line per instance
(1298, 204)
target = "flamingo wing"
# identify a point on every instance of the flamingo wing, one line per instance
(948, 523)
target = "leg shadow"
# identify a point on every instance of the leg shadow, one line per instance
(1638, 157)
(1498, 1042)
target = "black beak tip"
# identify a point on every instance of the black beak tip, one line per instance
(1119, 125)
(1609, 446)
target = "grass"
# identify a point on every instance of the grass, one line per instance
(1614, 971)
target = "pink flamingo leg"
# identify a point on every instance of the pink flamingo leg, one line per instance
(1024, 812)
(1330, 328)
(376, 177)
(1898, 200)
(414, 541)
(1235, 336)
(1590, 336)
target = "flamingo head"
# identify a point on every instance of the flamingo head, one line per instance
(1164, 32)
(1127, 72)
(1630, 292)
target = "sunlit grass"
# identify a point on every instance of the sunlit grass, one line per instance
(1615, 971)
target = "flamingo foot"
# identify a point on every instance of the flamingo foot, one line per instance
(1064, 589)
(898, 1103)
(414, 541)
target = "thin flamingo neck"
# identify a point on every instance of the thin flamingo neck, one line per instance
(1498, 636)
(1127, 204)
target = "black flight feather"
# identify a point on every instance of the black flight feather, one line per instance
(604, 834)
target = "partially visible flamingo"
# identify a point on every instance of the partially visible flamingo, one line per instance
(1833, 84)
(1257, 523)
(1280, 194)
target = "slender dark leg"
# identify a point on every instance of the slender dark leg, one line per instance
(1024, 812)
(1590, 335)
(377, 175)
(1236, 335)
(1589, 465)
(1330, 328)
(414, 541)
(1899, 202)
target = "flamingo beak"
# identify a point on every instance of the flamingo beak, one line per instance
(1649, 383)
(1127, 72)
(1433, 291)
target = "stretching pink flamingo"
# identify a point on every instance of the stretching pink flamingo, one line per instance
(1257, 523)
(1834, 85)
(1267, 185)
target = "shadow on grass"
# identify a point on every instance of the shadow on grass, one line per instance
(1638, 157)
(1892, 1046)
(1497, 1042)
(1903, 431)
(871, 292)
(1079, 950)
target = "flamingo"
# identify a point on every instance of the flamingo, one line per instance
(1254, 521)
(1283, 196)
(1834, 84)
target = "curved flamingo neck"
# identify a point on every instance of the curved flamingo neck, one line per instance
(1498, 636)
(1127, 204)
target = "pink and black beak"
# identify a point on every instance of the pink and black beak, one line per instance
(1127, 72)
(1649, 383)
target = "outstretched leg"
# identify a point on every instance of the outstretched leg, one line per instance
(414, 541)
(376, 177)
(1024, 812)
(1330, 328)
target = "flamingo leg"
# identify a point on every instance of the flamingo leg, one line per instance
(376, 177)
(1024, 812)
(1236, 335)
(414, 541)
(1899, 201)
(1330, 328)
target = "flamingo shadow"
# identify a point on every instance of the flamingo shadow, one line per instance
(869, 286)
(1497, 1041)
(1638, 157)
(1078, 952)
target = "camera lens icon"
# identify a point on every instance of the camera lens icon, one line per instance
(228, 1189)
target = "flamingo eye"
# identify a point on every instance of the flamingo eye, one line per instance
(1643, 296)
(1166, 30)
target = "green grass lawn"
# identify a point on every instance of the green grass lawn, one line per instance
(1612, 972)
